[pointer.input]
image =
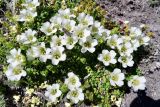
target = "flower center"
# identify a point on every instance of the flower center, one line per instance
(124, 59)
(18, 57)
(31, 5)
(53, 91)
(58, 42)
(85, 22)
(49, 30)
(57, 25)
(107, 57)
(66, 16)
(104, 34)
(68, 27)
(56, 55)
(136, 82)
(123, 49)
(28, 17)
(42, 50)
(94, 29)
(72, 80)
(30, 38)
(74, 93)
(113, 42)
(87, 44)
(17, 71)
(70, 41)
(141, 41)
(115, 77)
(80, 34)
(132, 35)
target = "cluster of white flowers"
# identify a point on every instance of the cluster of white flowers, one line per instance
(16, 61)
(82, 33)
(29, 10)
(125, 45)
(86, 32)
(75, 94)
(136, 82)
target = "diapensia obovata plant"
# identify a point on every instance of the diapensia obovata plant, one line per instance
(69, 50)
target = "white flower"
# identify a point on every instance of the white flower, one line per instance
(26, 15)
(85, 19)
(42, 52)
(57, 55)
(72, 81)
(66, 14)
(117, 77)
(15, 58)
(107, 57)
(143, 40)
(32, 53)
(125, 49)
(70, 41)
(27, 37)
(57, 41)
(69, 25)
(137, 83)
(140, 40)
(99, 32)
(105, 34)
(81, 32)
(88, 45)
(53, 92)
(134, 32)
(114, 41)
(95, 27)
(48, 28)
(15, 73)
(57, 22)
(126, 61)
(135, 44)
(75, 95)
(31, 4)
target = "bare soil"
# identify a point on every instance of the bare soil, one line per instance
(141, 12)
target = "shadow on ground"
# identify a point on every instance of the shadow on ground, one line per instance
(144, 101)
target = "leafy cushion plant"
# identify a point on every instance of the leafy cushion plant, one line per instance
(66, 52)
